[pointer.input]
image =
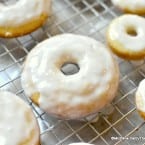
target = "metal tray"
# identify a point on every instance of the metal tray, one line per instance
(119, 122)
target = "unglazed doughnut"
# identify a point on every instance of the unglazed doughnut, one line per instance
(23, 17)
(18, 125)
(131, 6)
(126, 36)
(140, 98)
(70, 96)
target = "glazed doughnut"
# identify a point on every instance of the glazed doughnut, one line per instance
(131, 6)
(126, 35)
(140, 98)
(70, 96)
(18, 125)
(23, 17)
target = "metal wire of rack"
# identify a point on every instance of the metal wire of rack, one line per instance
(121, 124)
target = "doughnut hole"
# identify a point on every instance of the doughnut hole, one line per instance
(67, 64)
(70, 68)
(131, 31)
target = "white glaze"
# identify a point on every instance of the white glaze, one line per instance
(130, 4)
(117, 32)
(23, 11)
(96, 64)
(141, 88)
(14, 128)
(141, 94)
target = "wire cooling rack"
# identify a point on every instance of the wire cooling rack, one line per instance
(119, 123)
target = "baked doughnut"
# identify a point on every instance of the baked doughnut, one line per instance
(18, 125)
(23, 17)
(131, 6)
(70, 96)
(140, 98)
(126, 36)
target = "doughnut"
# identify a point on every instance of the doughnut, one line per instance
(125, 36)
(131, 6)
(18, 125)
(23, 17)
(72, 96)
(140, 98)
